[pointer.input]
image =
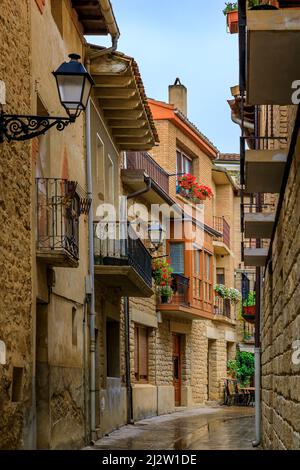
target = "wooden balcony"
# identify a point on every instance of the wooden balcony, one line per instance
(122, 262)
(273, 49)
(222, 307)
(179, 305)
(264, 170)
(222, 244)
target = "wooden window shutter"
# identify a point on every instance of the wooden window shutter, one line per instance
(136, 352)
(143, 353)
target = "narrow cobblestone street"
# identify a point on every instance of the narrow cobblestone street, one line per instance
(219, 428)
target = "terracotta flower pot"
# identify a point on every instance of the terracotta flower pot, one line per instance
(233, 22)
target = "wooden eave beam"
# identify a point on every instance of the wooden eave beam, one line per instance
(132, 140)
(136, 147)
(120, 104)
(114, 93)
(128, 124)
(123, 114)
(131, 132)
(112, 81)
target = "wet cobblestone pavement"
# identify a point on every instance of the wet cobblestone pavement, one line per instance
(220, 428)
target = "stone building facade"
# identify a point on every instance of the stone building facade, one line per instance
(16, 325)
(208, 340)
(280, 317)
(44, 372)
(268, 113)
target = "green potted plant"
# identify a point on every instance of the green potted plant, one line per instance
(234, 295)
(232, 368)
(228, 293)
(165, 293)
(221, 291)
(245, 367)
(249, 307)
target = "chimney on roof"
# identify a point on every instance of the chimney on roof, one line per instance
(178, 96)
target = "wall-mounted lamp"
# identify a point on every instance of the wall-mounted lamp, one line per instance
(157, 235)
(74, 86)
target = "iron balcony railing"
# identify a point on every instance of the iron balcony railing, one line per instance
(222, 307)
(253, 208)
(116, 243)
(221, 225)
(180, 287)
(144, 161)
(58, 211)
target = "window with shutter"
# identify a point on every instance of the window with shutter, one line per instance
(177, 257)
(197, 279)
(208, 278)
(141, 353)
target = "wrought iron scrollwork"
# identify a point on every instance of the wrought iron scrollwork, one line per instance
(20, 128)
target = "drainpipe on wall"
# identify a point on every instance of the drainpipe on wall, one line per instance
(257, 351)
(92, 278)
(115, 34)
(126, 308)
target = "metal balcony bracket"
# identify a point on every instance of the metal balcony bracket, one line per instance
(20, 127)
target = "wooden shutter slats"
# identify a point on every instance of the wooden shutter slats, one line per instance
(141, 353)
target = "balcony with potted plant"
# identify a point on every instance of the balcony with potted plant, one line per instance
(191, 190)
(249, 307)
(225, 298)
(232, 17)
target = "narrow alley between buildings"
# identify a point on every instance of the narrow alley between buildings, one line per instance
(203, 428)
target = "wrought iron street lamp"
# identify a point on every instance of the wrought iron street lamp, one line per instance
(74, 86)
(156, 235)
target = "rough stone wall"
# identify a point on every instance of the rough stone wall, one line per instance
(164, 354)
(281, 326)
(15, 236)
(199, 362)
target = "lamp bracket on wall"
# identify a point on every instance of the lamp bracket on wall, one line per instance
(20, 128)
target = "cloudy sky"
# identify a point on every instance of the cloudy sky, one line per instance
(185, 39)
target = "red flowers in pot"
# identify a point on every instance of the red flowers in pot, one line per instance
(189, 188)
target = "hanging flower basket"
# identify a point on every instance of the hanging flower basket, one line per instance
(249, 314)
(249, 307)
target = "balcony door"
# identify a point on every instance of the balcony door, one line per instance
(177, 368)
(177, 257)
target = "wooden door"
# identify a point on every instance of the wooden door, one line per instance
(177, 369)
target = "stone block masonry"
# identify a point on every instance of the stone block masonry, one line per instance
(281, 326)
(16, 400)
